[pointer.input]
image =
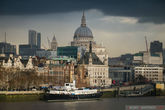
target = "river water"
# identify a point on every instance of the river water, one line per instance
(101, 104)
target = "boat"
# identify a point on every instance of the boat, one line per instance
(69, 91)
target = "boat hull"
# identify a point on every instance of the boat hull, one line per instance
(71, 97)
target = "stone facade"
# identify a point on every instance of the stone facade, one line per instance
(153, 73)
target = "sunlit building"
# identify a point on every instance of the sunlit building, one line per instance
(83, 35)
(151, 72)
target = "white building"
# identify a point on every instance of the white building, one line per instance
(97, 70)
(29, 65)
(147, 58)
(46, 53)
(17, 63)
(154, 73)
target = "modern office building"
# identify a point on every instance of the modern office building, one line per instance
(163, 56)
(70, 51)
(120, 74)
(39, 40)
(27, 50)
(155, 47)
(148, 58)
(7, 48)
(34, 44)
(32, 37)
(151, 72)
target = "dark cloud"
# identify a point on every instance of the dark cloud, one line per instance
(144, 10)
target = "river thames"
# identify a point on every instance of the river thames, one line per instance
(101, 104)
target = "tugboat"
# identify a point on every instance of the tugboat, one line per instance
(69, 91)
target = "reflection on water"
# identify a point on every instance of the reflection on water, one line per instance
(70, 105)
(74, 105)
(103, 104)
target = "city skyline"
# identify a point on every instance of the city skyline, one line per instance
(120, 32)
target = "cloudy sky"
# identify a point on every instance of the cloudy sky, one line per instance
(119, 24)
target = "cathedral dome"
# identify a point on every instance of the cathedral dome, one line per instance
(83, 30)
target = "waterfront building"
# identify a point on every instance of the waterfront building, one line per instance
(29, 65)
(81, 76)
(54, 44)
(120, 73)
(18, 63)
(8, 63)
(97, 70)
(151, 72)
(83, 35)
(61, 70)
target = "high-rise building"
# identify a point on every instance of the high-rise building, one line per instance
(54, 44)
(39, 40)
(34, 44)
(163, 56)
(156, 46)
(32, 37)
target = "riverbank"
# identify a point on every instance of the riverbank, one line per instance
(20, 97)
(35, 96)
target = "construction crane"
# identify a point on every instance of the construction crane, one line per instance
(5, 37)
(147, 50)
(44, 47)
(146, 44)
(48, 43)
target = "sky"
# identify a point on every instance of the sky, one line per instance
(120, 25)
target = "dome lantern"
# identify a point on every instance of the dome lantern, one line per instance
(83, 31)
